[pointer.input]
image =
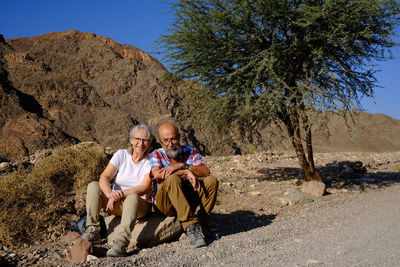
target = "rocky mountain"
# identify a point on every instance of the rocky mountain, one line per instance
(72, 86)
(68, 87)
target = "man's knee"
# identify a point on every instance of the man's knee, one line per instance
(173, 179)
(211, 182)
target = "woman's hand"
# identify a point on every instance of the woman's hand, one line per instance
(116, 195)
(113, 198)
(110, 205)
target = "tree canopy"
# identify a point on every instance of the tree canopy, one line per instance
(268, 60)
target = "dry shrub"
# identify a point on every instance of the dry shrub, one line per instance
(36, 202)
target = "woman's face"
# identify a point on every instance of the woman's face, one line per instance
(140, 142)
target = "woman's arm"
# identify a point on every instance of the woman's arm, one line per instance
(106, 176)
(142, 189)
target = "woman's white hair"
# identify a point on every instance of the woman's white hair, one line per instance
(132, 134)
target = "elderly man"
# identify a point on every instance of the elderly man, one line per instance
(183, 184)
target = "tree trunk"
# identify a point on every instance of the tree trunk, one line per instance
(293, 127)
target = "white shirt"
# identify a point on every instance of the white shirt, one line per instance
(130, 174)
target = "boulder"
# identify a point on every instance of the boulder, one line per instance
(80, 250)
(314, 188)
(293, 197)
(149, 231)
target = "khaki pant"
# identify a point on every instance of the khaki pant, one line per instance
(129, 208)
(176, 197)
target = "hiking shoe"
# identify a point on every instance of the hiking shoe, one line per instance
(195, 236)
(92, 234)
(117, 250)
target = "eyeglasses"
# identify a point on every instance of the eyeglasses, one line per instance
(137, 139)
(173, 140)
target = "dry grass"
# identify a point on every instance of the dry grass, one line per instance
(51, 194)
(397, 167)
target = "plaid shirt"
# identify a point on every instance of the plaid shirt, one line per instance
(159, 159)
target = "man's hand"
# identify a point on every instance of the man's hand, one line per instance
(167, 171)
(194, 180)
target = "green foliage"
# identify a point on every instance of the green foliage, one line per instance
(227, 159)
(259, 58)
(263, 61)
(251, 149)
(34, 202)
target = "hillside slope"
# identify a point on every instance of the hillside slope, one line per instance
(69, 87)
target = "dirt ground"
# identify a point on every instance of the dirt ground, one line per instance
(250, 188)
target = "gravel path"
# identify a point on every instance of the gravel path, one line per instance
(361, 229)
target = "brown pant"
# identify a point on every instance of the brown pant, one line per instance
(176, 197)
(129, 208)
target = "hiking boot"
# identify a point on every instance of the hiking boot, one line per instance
(195, 236)
(92, 234)
(117, 250)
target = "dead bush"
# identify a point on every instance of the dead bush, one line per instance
(48, 197)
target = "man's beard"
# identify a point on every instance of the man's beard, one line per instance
(172, 152)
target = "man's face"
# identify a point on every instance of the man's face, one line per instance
(170, 141)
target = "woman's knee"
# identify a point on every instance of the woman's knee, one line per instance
(93, 187)
(132, 199)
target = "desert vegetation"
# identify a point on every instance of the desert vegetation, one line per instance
(49, 195)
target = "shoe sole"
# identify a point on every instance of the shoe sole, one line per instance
(202, 244)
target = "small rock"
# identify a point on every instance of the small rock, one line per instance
(91, 258)
(332, 190)
(346, 173)
(312, 261)
(367, 180)
(252, 186)
(293, 197)
(4, 166)
(254, 193)
(314, 188)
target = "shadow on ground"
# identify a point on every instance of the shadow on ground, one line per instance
(340, 175)
(236, 222)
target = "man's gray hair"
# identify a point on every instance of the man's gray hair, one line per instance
(132, 134)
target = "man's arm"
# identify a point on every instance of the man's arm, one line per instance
(163, 173)
(199, 171)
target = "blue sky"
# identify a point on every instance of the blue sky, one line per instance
(140, 23)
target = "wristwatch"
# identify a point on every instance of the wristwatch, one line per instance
(185, 166)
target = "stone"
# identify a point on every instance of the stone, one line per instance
(70, 237)
(346, 173)
(314, 188)
(79, 251)
(367, 180)
(293, 197)
(149, 231)
(254, 193)
(4, 166)
(91, 258)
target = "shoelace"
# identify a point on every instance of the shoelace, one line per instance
(197, 232)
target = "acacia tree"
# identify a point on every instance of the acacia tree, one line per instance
(267, 60)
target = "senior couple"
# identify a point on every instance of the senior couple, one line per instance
(182, 183)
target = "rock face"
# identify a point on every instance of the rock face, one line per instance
(68, 87)
(71, 86)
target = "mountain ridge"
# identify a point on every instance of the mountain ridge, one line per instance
(66, 87)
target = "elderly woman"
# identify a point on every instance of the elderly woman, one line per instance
(130, 170)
